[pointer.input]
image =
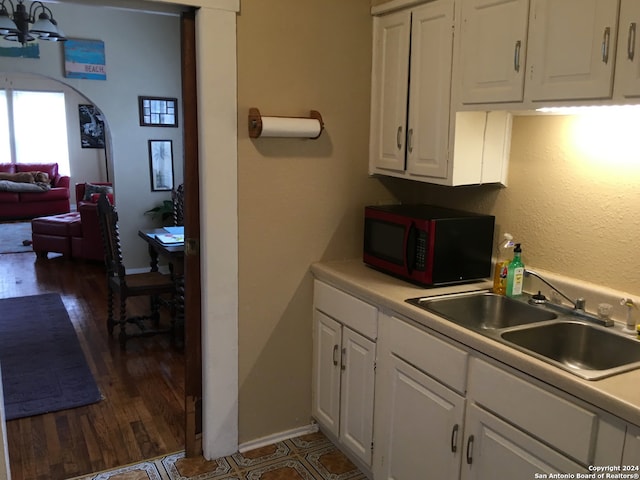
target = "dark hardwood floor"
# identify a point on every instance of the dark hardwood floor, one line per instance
(142, 413)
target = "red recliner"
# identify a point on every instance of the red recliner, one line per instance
(87, 241)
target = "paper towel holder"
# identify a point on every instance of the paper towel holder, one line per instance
(255, 122)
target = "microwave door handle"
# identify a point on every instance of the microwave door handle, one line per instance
(410, 254)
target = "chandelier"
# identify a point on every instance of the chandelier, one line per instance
(20, 25)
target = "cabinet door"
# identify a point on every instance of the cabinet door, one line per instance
(389, 86)
(421, 432)
(357, 385)
(429, 93)
(494, 449)
(571, 49)
(627, 76)
(493, 49)
(631, 454)
(326, 371)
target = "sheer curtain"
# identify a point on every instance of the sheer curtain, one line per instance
(40, 128)
(37, 124)
(5, 135)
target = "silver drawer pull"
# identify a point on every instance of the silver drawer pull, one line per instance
(516, 56)
(454, 438)
(605, 44)
(470, 450)
(631, 41)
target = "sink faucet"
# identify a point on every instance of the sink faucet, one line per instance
(578, 304)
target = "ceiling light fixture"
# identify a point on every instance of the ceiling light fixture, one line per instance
(20, 25)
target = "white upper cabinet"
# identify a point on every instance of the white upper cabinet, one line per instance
(627, 80)
(415, 133)
(410, 126)
(430, 90)
(493, 50)
(571, 51)
(389, 89)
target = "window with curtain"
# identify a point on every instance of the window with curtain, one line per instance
(5, 135)
(38, 123)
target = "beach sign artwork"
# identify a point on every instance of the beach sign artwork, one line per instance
(15, 50)
(85, 59)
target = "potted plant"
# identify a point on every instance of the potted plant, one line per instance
(162, 212)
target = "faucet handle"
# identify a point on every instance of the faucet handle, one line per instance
(580, 303)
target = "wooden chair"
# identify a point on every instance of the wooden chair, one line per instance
(151, 284)
(177, 196)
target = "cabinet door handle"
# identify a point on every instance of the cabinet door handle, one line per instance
(399, 137)
(631, 41)
(516, 56)
(335, 350)
(605, 44)
(410, 140)
(454, 438)
(342, 362)
(470, 449)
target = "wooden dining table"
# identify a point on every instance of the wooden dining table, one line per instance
(174, 254)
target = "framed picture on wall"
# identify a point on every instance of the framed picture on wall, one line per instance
(161, 164)
(158, 111)
(91, 127)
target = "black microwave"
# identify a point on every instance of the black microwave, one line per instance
(427, 244)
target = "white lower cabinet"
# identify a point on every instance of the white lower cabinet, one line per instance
(494, 449)
(418, 418)
(423, 430)
(356, 393)
(344, 369)
(442, 410)
(631, 453)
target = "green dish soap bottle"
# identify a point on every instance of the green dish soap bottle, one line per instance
(515, 273)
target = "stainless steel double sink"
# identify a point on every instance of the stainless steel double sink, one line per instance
(565, 340)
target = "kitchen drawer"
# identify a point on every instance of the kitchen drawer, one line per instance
(435, 357)
(348, 310)
(556, 421)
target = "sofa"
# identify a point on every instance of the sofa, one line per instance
(30, 204)
(75, 234)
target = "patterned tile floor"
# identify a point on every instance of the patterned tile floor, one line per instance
(308, 457)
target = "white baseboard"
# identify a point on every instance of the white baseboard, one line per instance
(277, 437)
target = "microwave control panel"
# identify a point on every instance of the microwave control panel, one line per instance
(421, 250)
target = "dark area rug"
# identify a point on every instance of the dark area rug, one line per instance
(13, 236)
(43, 366)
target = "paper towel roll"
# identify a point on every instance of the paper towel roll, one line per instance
(290, 127)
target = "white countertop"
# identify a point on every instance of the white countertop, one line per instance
(619, 394)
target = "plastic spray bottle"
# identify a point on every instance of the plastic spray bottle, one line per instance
(515, 273)
(502, 264)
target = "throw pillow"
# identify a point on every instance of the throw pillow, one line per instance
(90, 189)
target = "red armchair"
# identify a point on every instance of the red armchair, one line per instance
(87, 242)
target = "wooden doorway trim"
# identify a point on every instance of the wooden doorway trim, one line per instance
(193, 328)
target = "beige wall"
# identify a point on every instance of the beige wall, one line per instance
(576, 211)
(299, 200)
(572, 197)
